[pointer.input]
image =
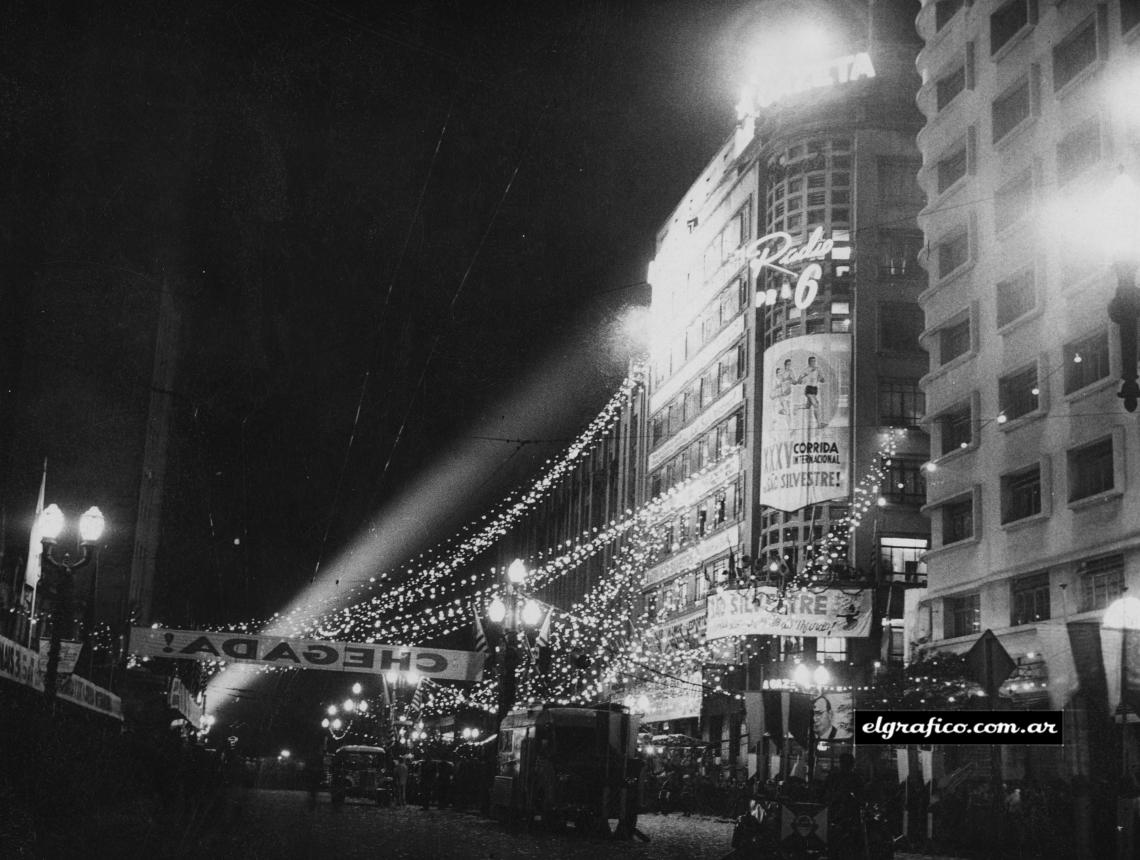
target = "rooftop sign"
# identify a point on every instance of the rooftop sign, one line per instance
(785, 81)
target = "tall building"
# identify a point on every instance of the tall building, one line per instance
(1029, 117)
(784, 400)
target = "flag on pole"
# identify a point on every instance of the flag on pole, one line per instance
(417, 698)
(543, 639)
(902, 762)
(35, 547)
(480, 635)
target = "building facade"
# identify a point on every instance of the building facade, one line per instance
(784, 369)
(1029, 123)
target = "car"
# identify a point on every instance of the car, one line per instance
(360, 771)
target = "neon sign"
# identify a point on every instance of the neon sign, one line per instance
(782, 82)
(777, 251)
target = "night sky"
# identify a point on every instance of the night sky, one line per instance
(445, 206)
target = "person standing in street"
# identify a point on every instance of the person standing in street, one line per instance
(401, 782)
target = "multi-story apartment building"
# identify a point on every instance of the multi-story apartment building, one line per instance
(785, 364)
(1031, 500)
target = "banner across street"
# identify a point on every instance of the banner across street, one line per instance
(205, 645)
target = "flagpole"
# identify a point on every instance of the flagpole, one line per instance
(32, 613)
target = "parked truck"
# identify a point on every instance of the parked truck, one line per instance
(570, 764)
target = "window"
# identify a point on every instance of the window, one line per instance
(906, 482)
(957, 521)
(957, 429)
(963, 615)
(1086, 361)
(1007, 22)
(1010, 109)
(1078, 151)
(944, 10)
(953, 253)
(1016, 296)
(953, 341)
(651, 605)
(1102, 581)
(1091, 470)
(831, 648)
(1029, 599)
(951, 168)
(1012, 201)
(1018, 393)
(901, 402)
(1021, 494)
(904, 555)
(898, 253)
(1075, 54)
(950, 85)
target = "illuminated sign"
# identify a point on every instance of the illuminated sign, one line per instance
(777, 251)
(780, 83)
(805, 428)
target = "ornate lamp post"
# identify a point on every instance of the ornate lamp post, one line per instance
(512, 611)
(52, 523)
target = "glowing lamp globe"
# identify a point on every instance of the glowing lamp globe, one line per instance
(497, 610)
(1123, 614)
(51, 523)
(91, 525)
(516, 572)
(821, 677)
(532, 613)
(802, 675)
(356, 689)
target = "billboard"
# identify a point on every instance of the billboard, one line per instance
(805, 429)
(762, 611)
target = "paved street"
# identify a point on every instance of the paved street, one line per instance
(280, 824)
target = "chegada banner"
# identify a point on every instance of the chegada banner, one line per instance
(805, 427)
(205, 645)
(763, 611)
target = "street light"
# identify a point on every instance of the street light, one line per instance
(1122, 220)
(509, 610)
(52, 523)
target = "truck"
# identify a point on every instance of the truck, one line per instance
(565, 764)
